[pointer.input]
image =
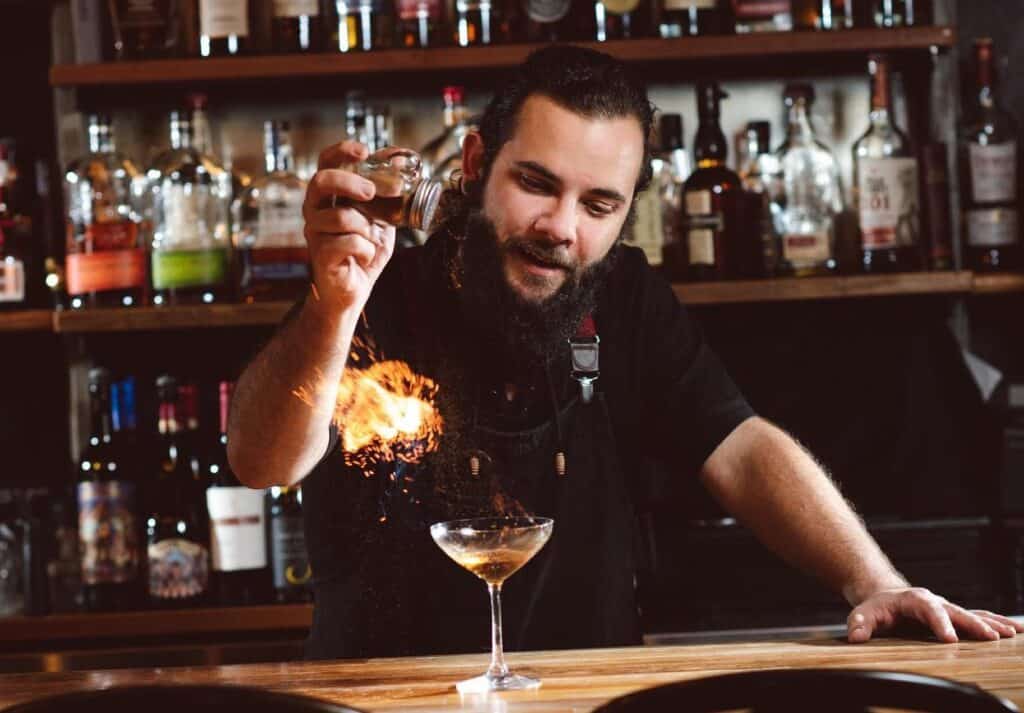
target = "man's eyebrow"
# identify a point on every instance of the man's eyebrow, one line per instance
(535, 167)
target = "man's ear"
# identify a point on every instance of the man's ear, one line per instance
(472, 156)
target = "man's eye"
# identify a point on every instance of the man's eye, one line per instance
(600, 209)
(532, 184)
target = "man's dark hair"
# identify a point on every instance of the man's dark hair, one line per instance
(589, 83)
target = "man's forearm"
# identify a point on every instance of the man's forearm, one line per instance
(275, 437)
(772, 485)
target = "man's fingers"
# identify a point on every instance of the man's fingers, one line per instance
(929, 610)
(334, 250)
(329, 182)
(386, 237)
(1005, 620)
(339, 221)
(343, 153)
(860, 626)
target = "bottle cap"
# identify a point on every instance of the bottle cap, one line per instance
(709, 97)
(453, 94)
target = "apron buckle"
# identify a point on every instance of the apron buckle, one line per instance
(585, 363)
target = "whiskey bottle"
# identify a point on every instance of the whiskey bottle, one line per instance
(443, 154)
(296, 26)
(657, 208)
(886, 185)
(224, 27)
(105, 264)
(988, 157)
(419, 23)
(712, 203)
(272, 254)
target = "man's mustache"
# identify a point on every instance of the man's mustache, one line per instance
(544, 252)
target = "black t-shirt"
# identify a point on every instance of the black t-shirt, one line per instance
(669, 400)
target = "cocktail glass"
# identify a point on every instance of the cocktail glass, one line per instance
(493, 549)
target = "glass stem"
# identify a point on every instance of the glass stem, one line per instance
(498, 668)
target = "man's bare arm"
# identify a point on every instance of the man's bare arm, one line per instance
(763, 477)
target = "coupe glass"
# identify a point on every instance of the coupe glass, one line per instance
(493, 549)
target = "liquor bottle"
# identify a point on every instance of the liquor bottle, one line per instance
(759, 172)
(202, 140)
(475, 23)
(886, 185)
(296, 26)
(143, 29)
(176, 532)
(990, 174)
(712, 249)
(12, 262)
(238, 541)
(936, 212)
(188, 421)
(443, 154)
(404, 198)
(289, 559)
(618, 20)
(12, 557)
(108, 524)
(419, 23)
(360, 25)
(272, 252)
(224, 27)
(900, 13)
(682, 18)
(823, 14)
(355, 117)
(191, 196)
(762, 16)
(809, 199)
(379, 127)
(676, 167)
(106, 264)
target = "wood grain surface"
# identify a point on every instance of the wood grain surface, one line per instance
(573, 680)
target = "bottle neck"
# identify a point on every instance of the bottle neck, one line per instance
(880, 95)
(181, 135)
(799, 129)
(278, 156)
(454, 114)
(225, 405)
(985, 83)
(99, 407)
(710, 147)
(101, 139)
(202, 136)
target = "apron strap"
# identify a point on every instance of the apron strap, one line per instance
(585, 352)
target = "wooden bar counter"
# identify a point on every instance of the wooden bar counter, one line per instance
(573, 680)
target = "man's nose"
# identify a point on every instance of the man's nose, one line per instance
(559, 222)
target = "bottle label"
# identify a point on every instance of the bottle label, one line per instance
(12, 280)
(223, 18)
(107, 532)
(112, 235)
(291, 563)
(413, 10)
(688, 4)
(806, 248)
(178, 569)
(109, 270)
(994, 172)
(888, 202)
(237, 534)
(280, 223)
(296, 8)
(620, 7)
(648, 229)
(545, 11)
(701, 226)
(189, 268)
(992, 228)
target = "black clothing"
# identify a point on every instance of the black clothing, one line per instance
(664, 403)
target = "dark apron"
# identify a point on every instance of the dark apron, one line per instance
(408, 598)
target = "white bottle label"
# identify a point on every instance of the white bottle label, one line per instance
(806, 248)
(992, 228)
(182, 222)
(280, 221)
(687, 4)
(994, 172)
(12, 280)
(223, 18)
(888, 202)
(701, 225)
(237, 534)
(648, 230)
(296, 8)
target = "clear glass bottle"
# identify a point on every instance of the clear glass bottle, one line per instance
(759, 171)
(356, 128)
(443, 154)
(273, 258)
(405, 198)
(886, 185)
(106, 263)
(658, 209)
(809, 198)
(990, 171)
(191, 228)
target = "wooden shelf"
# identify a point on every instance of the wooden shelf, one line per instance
(182, 317)
(26, 320)
(156, 623)
(455, 59)
(998, 284)
(825, 288)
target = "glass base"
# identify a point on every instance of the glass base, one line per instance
(487, 682)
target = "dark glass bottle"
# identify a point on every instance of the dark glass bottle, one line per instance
(899, 13)
(360, 25)
(176, 532)
(225, 27)
(296, 26)
(143, 29)
(419, 23)
(823, 14)
(475, 23)
(690, 18)
(108, 523)
(712, 204)
(290, 562)
(238, 542)
(990, 174)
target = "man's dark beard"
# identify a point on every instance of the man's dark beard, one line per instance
(523, 330)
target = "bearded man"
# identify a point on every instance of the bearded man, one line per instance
(523, 282)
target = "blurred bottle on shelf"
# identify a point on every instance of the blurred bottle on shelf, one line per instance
(289, 558)
(990, 173)
(676, 167)
(692, 18)
(762, 16)
(105, 261)
(542, 20)
(12, 558)
(823, 14)
(272, 254)
(886, 185)
(420, 23)
(809, 199)
(936, 213)
(296, 26)
(64, 567)
(621, 20)
(442, 155)
(475, 23)
(191, 195)
(145, 29)
(899, 13)
(759, 171)
(15, 233)
(359, 25)
(225, 27)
